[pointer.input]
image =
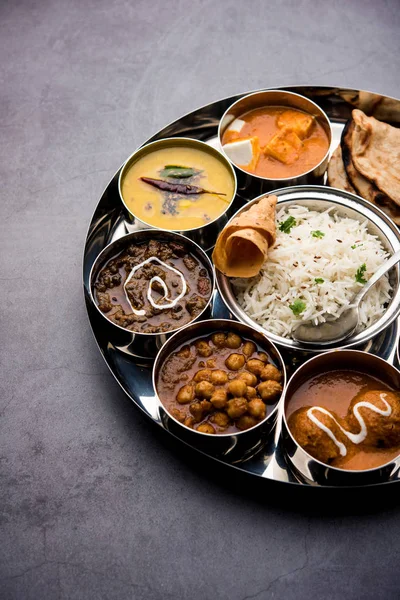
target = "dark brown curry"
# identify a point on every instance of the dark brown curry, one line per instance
(153, 287)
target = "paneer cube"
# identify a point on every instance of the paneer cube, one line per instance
(285, 147)
(237, 125)
(298, 122)
(244, 153)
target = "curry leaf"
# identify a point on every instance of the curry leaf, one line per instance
(317, 234)
(319, 280)
(178, 172)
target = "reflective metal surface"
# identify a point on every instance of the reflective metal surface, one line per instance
(109, 222)
(254, 185)
(348, 205)
(311, 469)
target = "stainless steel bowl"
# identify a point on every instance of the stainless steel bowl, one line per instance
(311, 469)
(349, 205)
(251, 185)
(205, 235)
(137, 343)
(235, 447)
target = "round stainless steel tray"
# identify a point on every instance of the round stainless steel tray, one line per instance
(109, 222)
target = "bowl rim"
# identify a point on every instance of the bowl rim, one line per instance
(207, 263)
(277, 179)
(229, 323)
(322, 464)
(184, 141)
(383, 222)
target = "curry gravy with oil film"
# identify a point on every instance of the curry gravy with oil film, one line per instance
(153, 287)
(172, 208)
(347, 419)
(219, 384)
(276, 142)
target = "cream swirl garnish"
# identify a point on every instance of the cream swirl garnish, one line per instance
(356, 438)
(170, 303)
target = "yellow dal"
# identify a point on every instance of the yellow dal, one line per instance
(146, 202)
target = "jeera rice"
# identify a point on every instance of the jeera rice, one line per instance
(320, 260)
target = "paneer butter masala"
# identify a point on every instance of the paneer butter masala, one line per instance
(219, 384)
(276, 142)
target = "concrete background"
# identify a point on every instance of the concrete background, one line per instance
(93, 503)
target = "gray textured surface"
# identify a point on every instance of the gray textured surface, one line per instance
(93, 503)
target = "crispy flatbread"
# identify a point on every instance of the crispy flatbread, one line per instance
(361, 184)
(337, 176)
(242, 246)
(375, 151)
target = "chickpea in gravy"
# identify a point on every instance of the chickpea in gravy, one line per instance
(219, 384)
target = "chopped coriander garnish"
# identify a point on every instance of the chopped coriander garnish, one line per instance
(317, 234)
(359, 276)
(297, 307)
(319, 280)
(287, 225)
(355, 246)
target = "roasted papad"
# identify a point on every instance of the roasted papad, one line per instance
(375, 151)
(361, 184)
(242, 246)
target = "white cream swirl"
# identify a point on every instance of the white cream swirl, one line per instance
(356, 438)
(170, 303)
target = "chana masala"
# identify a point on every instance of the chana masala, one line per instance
(219, 384)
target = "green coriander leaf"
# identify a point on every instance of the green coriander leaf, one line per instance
(297, 307)
(317, 234)
(287, 225)
(359, 276)
(319, 280)
(355, 246)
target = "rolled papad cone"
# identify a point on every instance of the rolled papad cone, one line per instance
(242, 246)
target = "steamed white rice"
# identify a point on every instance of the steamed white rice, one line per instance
(297, 259)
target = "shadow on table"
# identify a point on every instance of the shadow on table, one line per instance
(301, 498)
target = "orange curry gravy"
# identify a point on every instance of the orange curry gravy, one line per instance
(267, 122)
(335, 391)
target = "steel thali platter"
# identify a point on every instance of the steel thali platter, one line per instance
(109, 223)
